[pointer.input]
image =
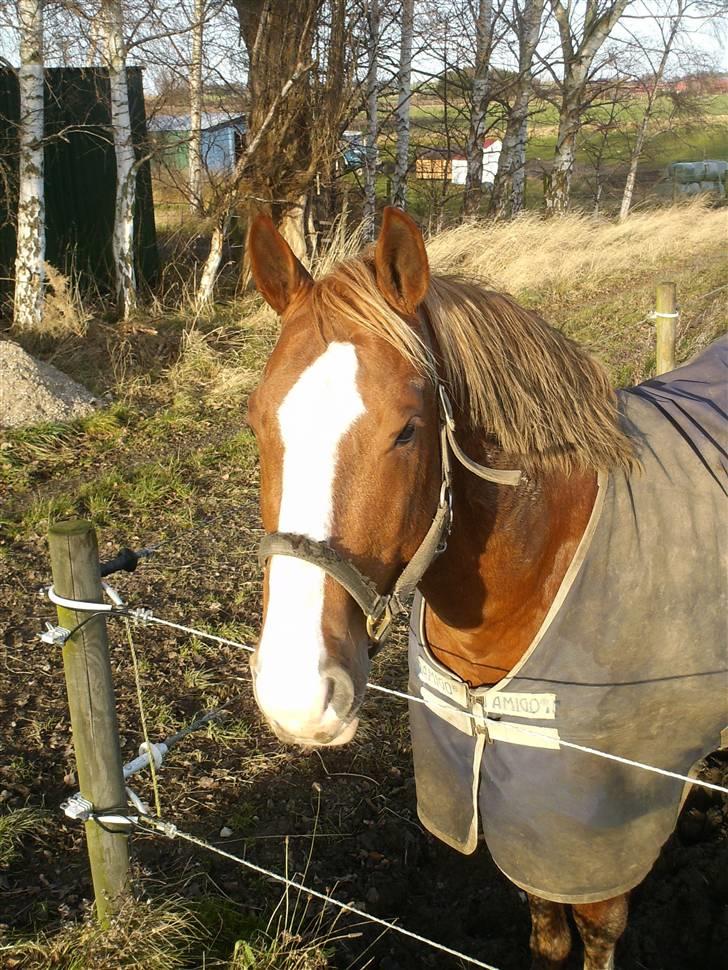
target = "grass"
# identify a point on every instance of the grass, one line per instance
(702, 134)
(698, 133)
(14, 827)
(142, 937)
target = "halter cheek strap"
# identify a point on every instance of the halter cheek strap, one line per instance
(380, 609)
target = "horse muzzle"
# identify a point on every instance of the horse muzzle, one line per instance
(328, 718)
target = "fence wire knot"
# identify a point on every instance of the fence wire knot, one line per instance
(141, 615)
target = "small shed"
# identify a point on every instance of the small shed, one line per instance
(435, 164)
(223, 140)
(452, 166)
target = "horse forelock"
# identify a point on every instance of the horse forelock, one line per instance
(512, 375)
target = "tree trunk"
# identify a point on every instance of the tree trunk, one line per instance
(123, 242)
(633, 165)
(195, 146)
(478, 109)
(402, 113)
(206, 287)
(518, 167)
(30, 251)
(370, 182)
(578, 53)
(510, 180)
(558, 183)
(634, 160)
(509, 189)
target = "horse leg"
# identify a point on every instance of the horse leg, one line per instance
(600, 925)
(550, 934)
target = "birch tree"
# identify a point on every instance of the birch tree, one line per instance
(195, 83)
(667, 29)
(402, 113)
(510, 182)
(112, 27)
(478, 108)
(30, 250)
(581, 38)
(372, 90)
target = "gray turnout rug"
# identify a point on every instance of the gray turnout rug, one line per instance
(632, 659)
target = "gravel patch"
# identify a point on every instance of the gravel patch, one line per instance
(32, 391)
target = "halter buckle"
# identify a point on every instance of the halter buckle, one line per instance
(380, 620)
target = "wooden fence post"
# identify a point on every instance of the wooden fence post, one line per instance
(665, 326)
(75, 568)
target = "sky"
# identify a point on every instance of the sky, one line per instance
(710, 38)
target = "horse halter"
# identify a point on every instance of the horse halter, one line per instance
(381, 609)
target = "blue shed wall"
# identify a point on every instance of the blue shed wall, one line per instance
(218, 149)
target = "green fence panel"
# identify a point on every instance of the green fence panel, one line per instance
(80, 177)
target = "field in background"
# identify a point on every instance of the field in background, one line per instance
(171, 459)
(695, 134)
(686, 137)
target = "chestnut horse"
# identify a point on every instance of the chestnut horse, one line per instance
(367, 493)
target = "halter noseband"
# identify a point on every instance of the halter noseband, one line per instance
(380, 609)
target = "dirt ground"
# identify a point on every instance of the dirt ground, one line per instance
(368, 847)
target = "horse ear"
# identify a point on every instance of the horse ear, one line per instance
(278, 275)
(400, 260)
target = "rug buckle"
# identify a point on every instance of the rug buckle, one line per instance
(476, 705)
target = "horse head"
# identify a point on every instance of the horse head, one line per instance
(347, 431)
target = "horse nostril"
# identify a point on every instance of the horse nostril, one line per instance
(340, 691)
(330, 687)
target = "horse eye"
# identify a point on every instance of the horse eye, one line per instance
(406, 434)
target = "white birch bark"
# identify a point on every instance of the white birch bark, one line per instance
(578, 57)
(370, 172)
(206, 286)
(195, 84)
(634, 161)
(402, 113)
(518, 164)
(112, 16)
(478, 109)
(509, 188)
(655, 81)
(559, 182)
(30, 249)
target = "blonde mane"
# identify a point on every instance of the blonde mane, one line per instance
(512, 376)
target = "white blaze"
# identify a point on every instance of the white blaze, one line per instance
(314, 417)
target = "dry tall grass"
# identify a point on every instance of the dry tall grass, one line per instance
(64, 312)
(578, 251)
(593, 278)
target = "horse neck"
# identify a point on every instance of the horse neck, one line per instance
(507, 554)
